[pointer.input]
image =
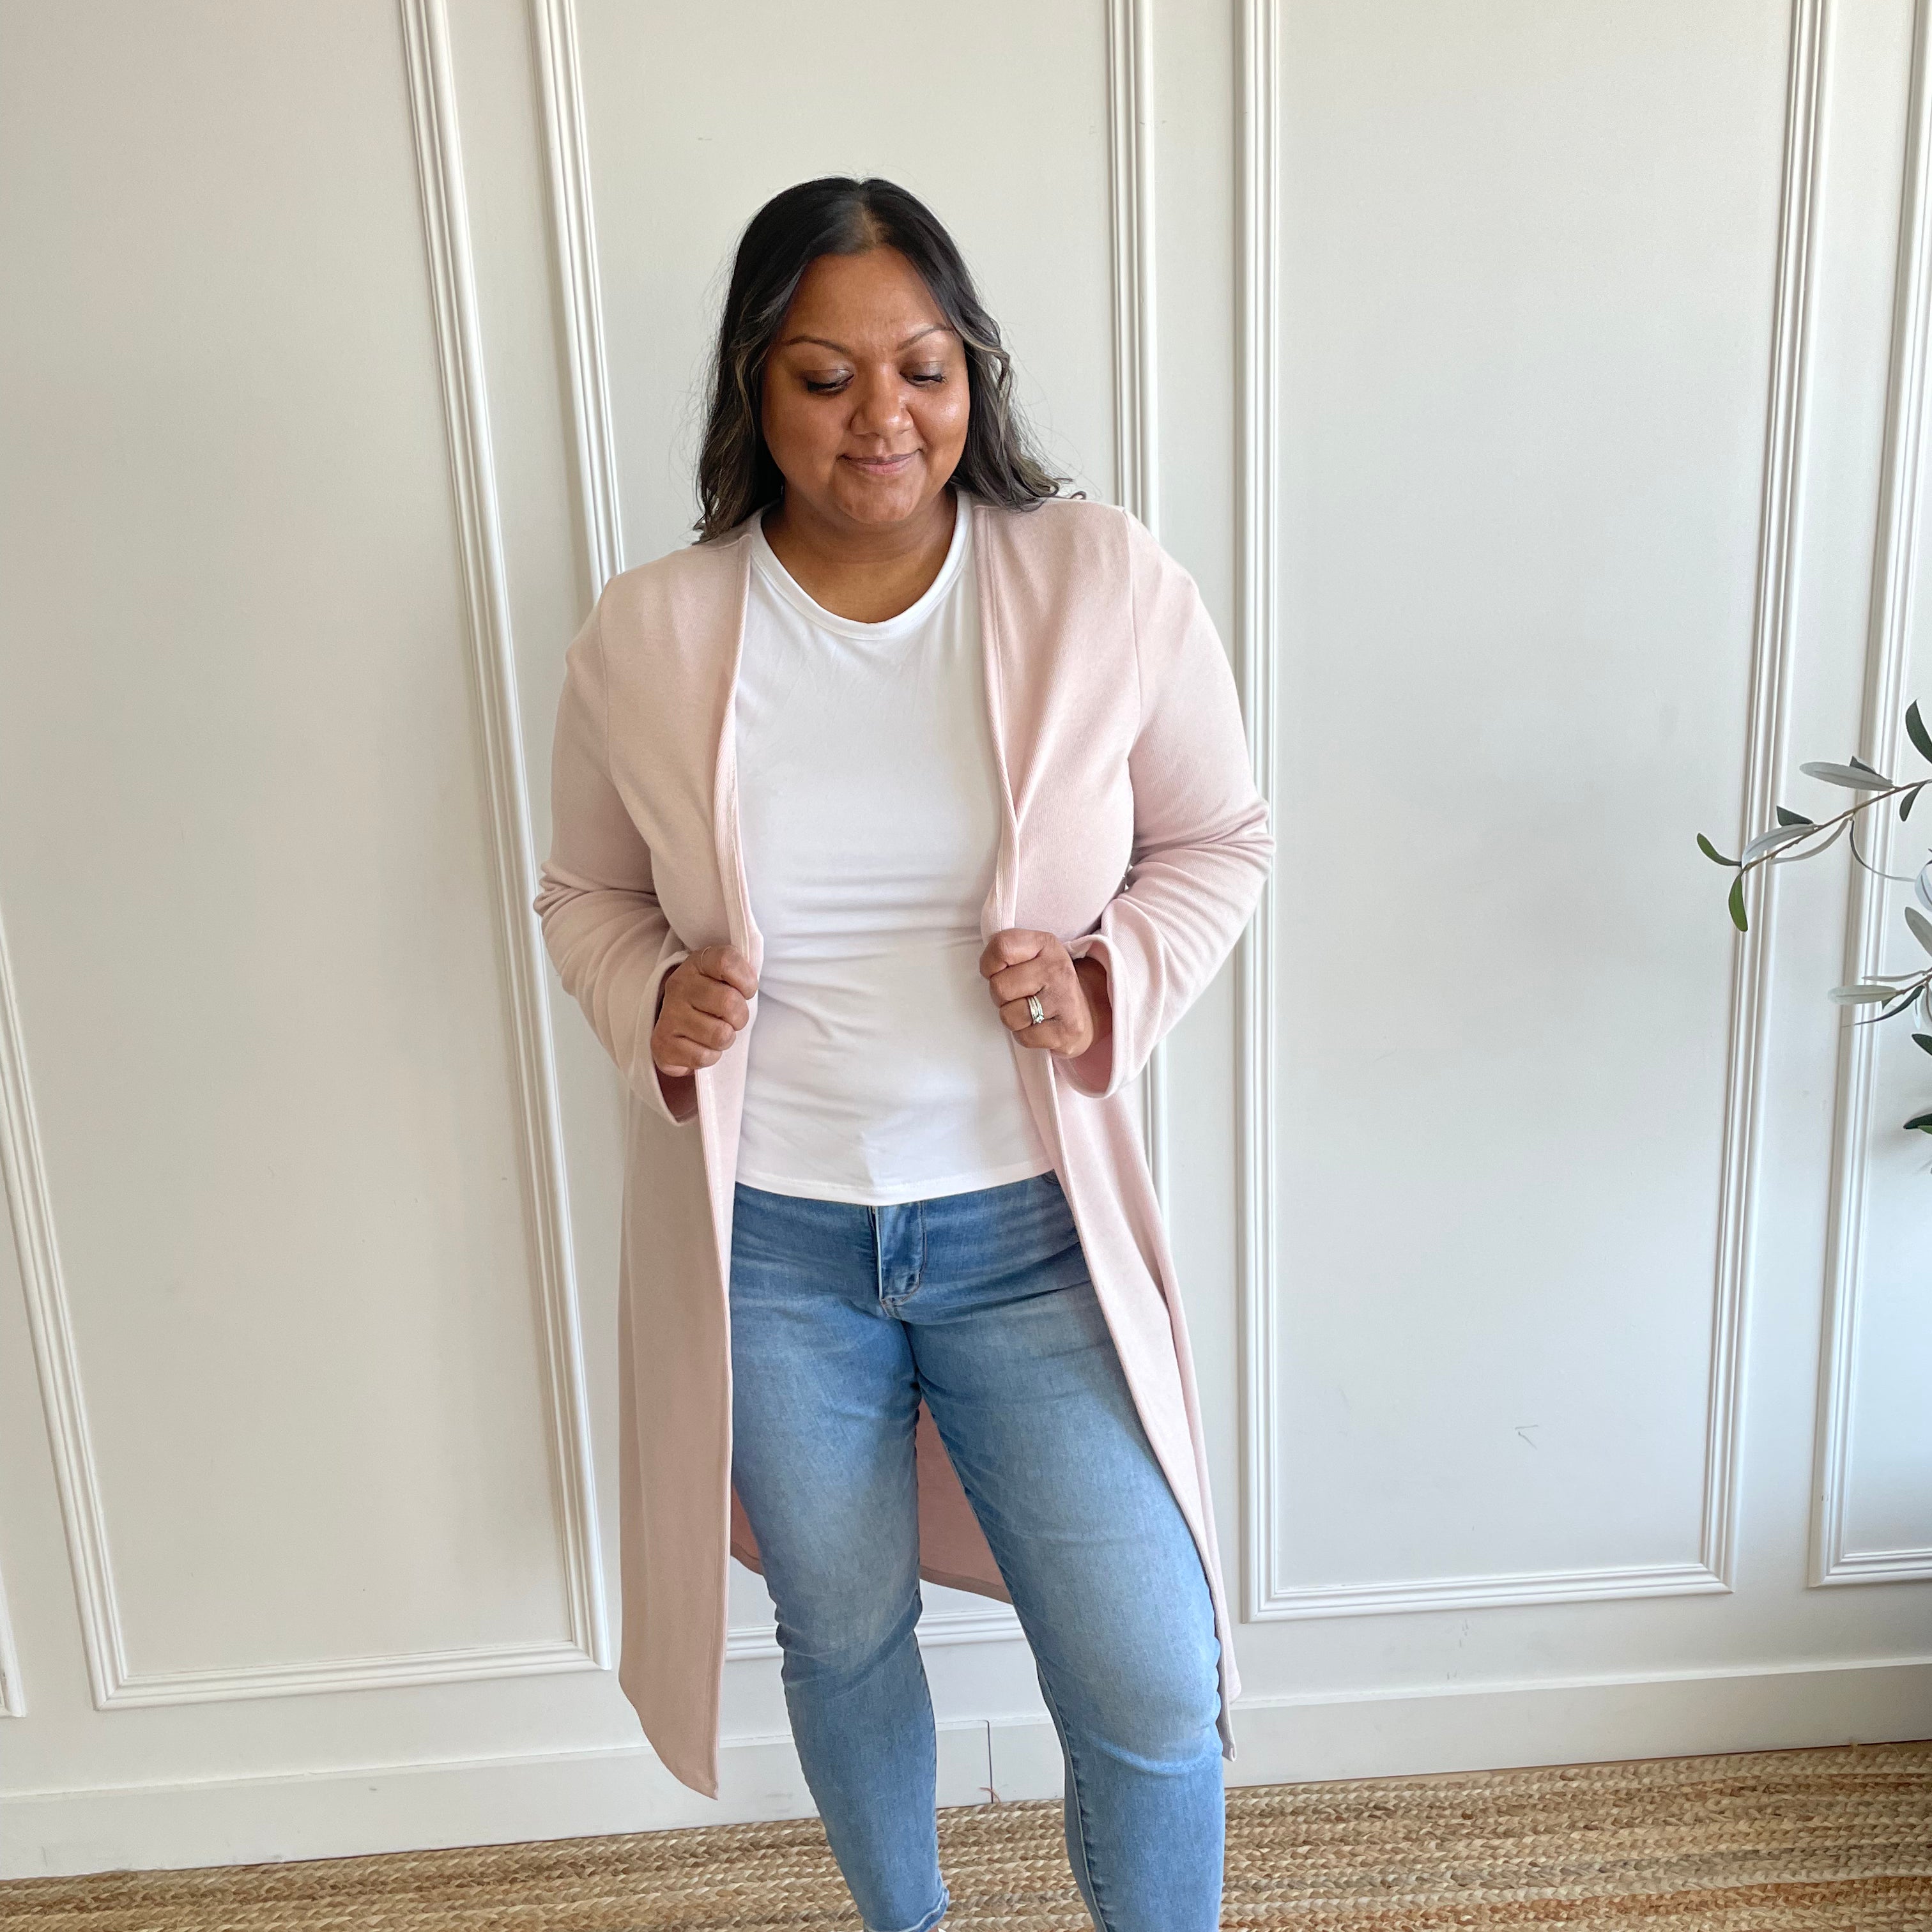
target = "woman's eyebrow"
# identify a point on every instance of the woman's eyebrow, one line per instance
(823, 343)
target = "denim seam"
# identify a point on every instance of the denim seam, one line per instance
(1079, 1805)
(1053, 1710)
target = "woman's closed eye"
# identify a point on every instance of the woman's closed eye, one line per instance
(927, 378)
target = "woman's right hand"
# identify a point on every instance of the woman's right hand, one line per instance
(701, 1005)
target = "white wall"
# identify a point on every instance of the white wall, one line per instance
(1534, 391)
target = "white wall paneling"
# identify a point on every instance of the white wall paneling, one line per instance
(1256, 424)
(1377, 1546)
(528, 1208)
(13, 1697)
(1872, 1522)
(23, 1168)
(13, 1690)
(446, 230)
(1130, 121)
(574, 239)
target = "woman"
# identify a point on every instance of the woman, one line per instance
(894, 821)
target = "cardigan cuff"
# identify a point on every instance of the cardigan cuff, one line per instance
(671, 1096)
(1095, 1072)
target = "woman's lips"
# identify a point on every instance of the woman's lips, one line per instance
(883, 466)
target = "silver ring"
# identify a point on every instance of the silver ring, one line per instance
(1034, 1007)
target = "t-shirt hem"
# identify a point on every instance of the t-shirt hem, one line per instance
(889, 1194)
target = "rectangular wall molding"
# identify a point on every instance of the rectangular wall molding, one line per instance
(1267, 1594)
(1870, 917)
(115, 1684)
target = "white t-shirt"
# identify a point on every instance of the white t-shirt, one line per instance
(879, 1070)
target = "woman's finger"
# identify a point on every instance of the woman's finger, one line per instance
(676, 1051)
(726, 964)
(719, 998)
(710, 1030)
(1019, 1014)
(1045, 970)
(1065, 1028)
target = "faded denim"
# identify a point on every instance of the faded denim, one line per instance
(842, 1316)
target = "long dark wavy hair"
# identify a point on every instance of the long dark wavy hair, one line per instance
(838, 214)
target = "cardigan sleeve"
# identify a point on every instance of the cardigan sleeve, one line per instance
(602, 925)
(1201, 847)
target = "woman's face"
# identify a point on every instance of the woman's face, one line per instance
(865, 398)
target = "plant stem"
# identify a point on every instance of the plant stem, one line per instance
(1793, 849)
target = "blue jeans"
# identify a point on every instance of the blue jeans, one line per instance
(842, 1316)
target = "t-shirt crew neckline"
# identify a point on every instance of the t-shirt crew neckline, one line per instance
(808, 607)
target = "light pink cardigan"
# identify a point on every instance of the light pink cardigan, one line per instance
(1131, 827)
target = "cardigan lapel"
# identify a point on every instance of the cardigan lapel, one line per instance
(1000, 910)
(729, 841)
(996, 914)
(721, 1087)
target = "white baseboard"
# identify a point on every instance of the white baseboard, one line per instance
(583, 1794)
(1492, 1727)
(422, 1807)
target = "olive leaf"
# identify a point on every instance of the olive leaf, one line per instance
(1789, 839)
(1913, 995)
(1769, 842)
(1852, 777)
(1915, 730)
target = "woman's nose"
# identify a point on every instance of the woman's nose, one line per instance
(879, 403)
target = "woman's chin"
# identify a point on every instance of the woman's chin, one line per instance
(882, 500)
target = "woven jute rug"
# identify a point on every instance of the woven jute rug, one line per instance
(1830, 1841)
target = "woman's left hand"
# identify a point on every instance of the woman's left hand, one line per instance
(1072, 992)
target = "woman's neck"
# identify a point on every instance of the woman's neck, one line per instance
(866, 573)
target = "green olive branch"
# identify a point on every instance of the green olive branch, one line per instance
(1795, 837)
